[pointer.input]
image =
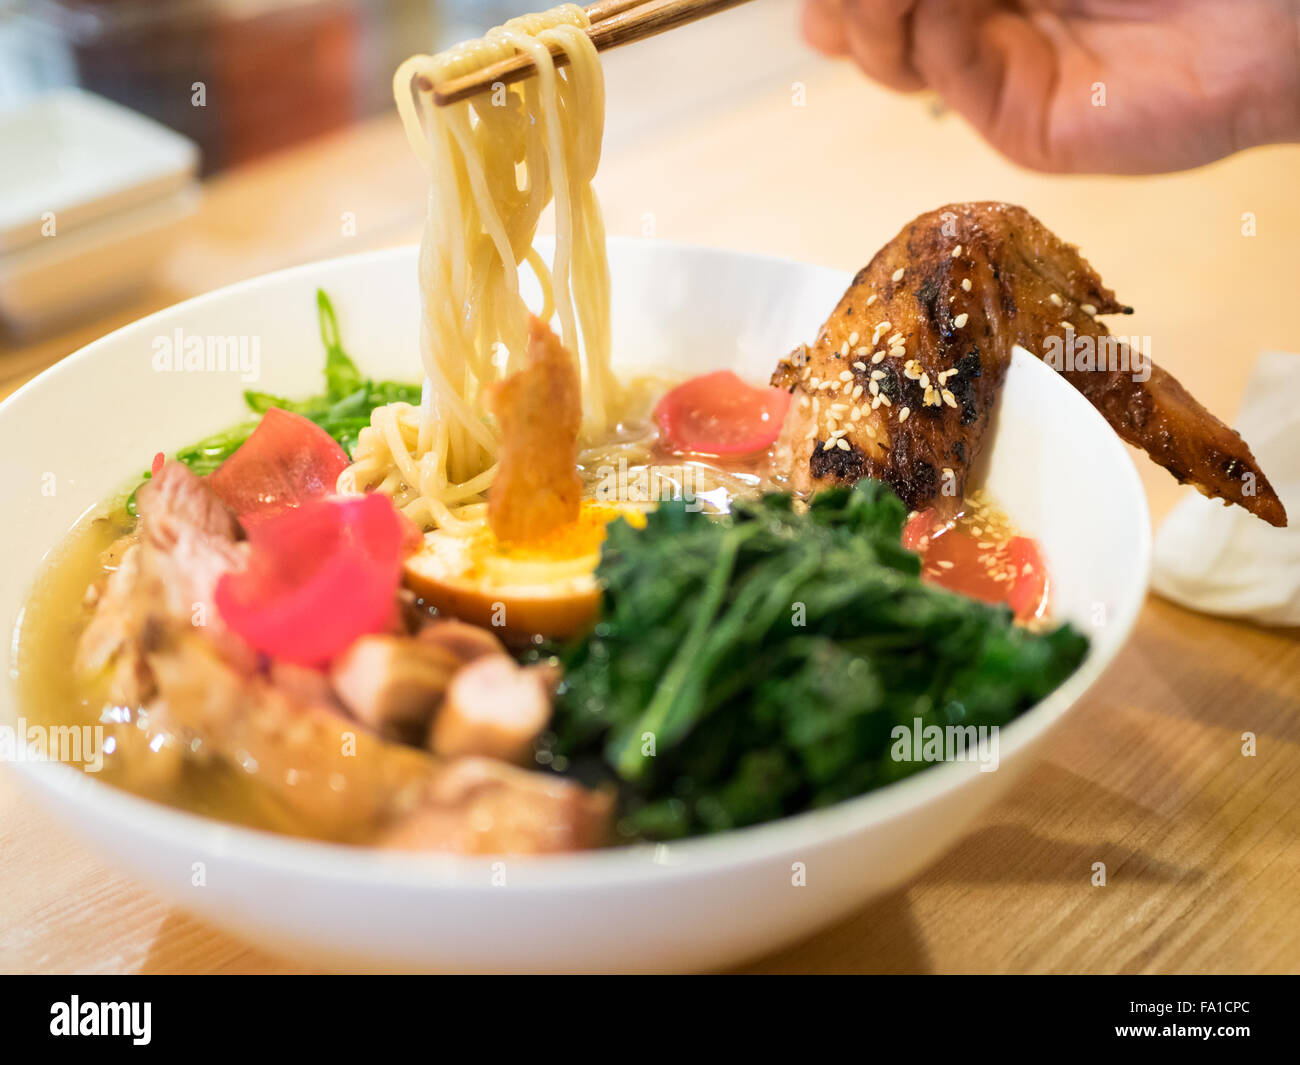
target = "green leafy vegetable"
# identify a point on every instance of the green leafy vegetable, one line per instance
(342, 410)
(767, 656)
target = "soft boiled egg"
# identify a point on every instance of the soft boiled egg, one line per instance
(547, 586)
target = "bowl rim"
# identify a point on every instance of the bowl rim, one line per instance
(696, 856)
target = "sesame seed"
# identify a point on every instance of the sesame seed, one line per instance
(857, 414)
(902, 414)
(848, 387)
(893, 341)
(925, 379)
(884, 399)
(853, 340)
(965, 284)
(872, 299)
(956, 251)
(875, 388)
(839, 433)
(1088, 308)
(1057, 300)
(943, 563)
(846, 375)
(839, 408)
(898, 274)
(857, 391)
(877, 358)
(876, 375)
(949, 398)
(1066, 325)
(859, 365)
(828, 445)
(961, 319)
(803, 401)
(862, 352)
(844, 348)
(842, 444)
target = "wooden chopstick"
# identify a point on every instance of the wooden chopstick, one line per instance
(613, 22)
(604, 9)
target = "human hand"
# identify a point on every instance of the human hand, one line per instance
(1102, 86)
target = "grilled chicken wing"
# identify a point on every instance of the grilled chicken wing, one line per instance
(902, 378)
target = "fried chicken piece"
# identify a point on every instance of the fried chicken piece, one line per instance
(537, 488)
(902, 378)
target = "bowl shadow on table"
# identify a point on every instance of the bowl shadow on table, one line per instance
(885, 936)
(1236, 701)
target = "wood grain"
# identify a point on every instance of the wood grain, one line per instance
(1146, 775)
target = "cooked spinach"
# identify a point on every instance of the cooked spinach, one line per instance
(342, 410)
(753, 666)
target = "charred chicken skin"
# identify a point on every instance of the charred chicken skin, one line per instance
(901, 380)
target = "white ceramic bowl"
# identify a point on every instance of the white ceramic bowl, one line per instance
(100, 415)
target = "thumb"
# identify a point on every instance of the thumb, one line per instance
(823, 26)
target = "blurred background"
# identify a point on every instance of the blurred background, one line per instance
(176, 145)
(272, 72)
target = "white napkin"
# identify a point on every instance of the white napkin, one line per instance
(1222, 560)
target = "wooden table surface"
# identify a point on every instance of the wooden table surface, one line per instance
(805, 159)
